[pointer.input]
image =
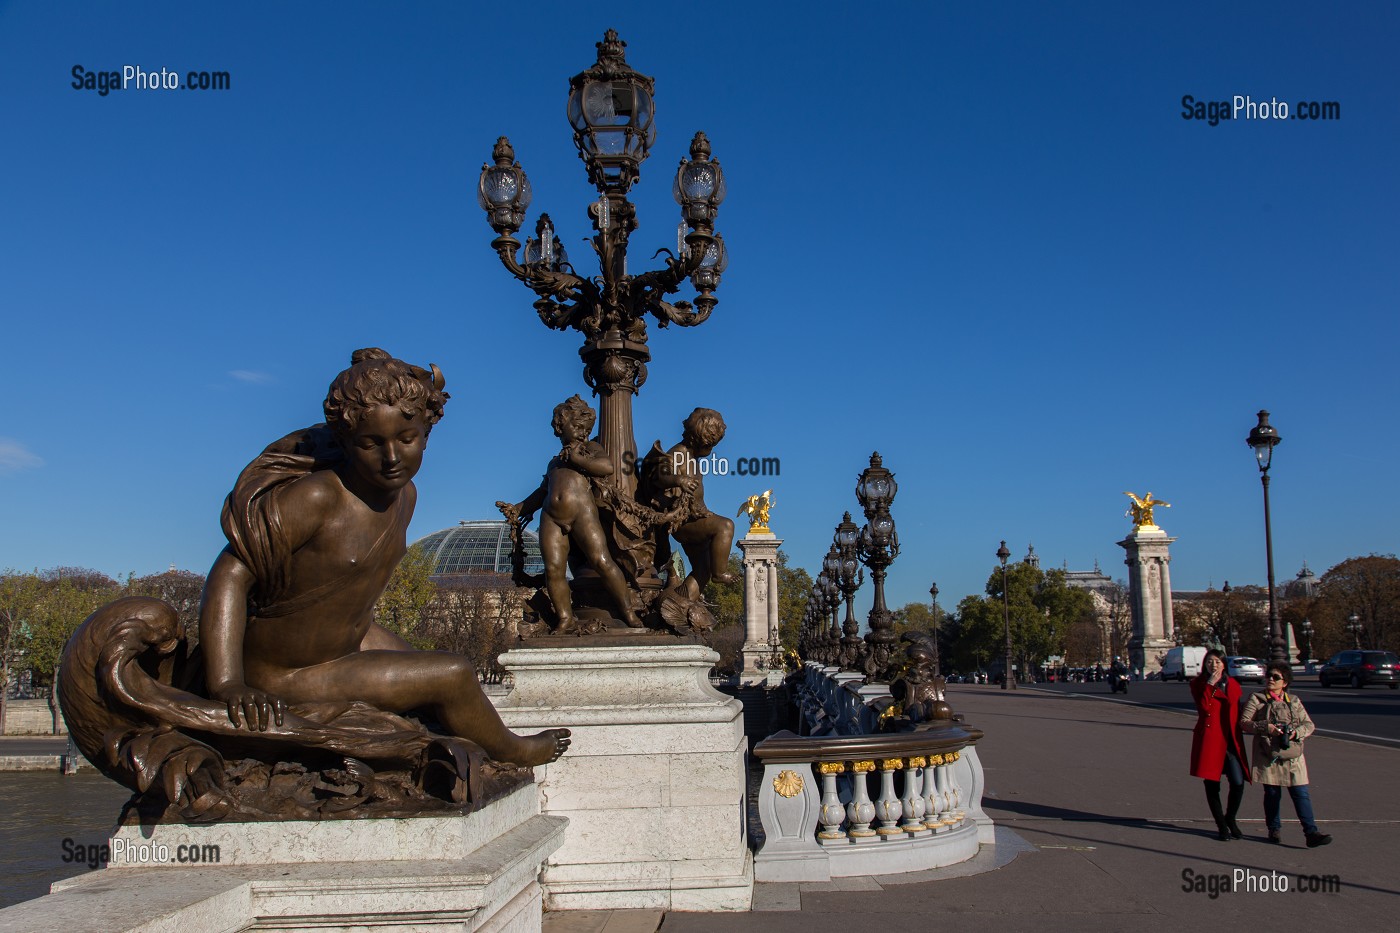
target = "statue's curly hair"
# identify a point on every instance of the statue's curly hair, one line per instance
(376, 378)
(706, 426)
(572, 407)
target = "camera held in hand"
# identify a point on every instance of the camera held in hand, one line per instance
(1286, 735)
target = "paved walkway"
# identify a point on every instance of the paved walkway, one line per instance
(1100, 825)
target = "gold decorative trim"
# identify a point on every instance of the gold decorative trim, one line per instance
(918, 761)
(891, 764)
(954, 756)
(831, 767)
(935, 760)
(788, 783)
(862, 767)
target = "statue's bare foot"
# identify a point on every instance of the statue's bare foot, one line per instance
(567, 626)
(542, 748)
(725, 578)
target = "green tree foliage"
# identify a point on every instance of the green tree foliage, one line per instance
(794, 586)
(19, 595)
(403, 606)
(727, 606)
(912, 617)
(1043, 609)
(727, 599)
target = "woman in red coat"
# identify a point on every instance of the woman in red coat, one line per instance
(1217, 747)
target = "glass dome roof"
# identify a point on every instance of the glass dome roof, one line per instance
(477, 548)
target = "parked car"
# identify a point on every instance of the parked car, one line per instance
(1183, 663)
(1360, 668)
(1245, 670)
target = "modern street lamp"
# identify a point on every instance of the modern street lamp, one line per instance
(1263, 438)
(878, 546)
(1008, 680)
(849, 576)
(612, 114)
(937, 662)
(1354, 627)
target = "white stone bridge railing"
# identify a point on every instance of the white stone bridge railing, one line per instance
(848, 800)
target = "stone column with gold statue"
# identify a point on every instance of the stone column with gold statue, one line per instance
(762, 645)
(1149, 586)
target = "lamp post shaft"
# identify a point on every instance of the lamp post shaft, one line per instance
(1277, 652)
(1008, 680)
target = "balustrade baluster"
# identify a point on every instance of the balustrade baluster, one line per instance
(889, 808)
(955, 789)
(832, 813)
(860, 811)
(913, 802)
(933, 795)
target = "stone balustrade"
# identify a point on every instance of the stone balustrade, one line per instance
(845, 799)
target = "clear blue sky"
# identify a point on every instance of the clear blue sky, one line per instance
(981, 241)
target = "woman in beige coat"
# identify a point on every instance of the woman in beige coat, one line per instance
(1279, 724)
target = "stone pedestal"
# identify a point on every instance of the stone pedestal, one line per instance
(653, 784)
(761, 637)
(477, 872)
(1150, 595)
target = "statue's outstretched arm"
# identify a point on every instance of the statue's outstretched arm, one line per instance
(223, 619)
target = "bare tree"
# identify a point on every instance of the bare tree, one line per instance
(477, 617)
(182, 590)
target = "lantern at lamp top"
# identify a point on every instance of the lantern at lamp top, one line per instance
(847, 534)
(712, 265)
(699, 185)
(831, 564)
(503, 190)
(613, 116)
(876, 488)
(1263, 437)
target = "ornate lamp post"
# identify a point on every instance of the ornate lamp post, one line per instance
(849, 576)
(1354, 627)
(933, 596)
(831, 603)
(816, 606)
(878, 546)
(1008, 680)
(1263, 437)
(612, 114)
(1306, 630)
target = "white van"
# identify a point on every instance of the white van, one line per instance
(1183, 663)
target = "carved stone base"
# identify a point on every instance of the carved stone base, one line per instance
(474, 872)
(653, 784)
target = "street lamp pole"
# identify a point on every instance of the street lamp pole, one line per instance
(877, 547)
(1008, 680)
(937, 662)
(1354, 626)
(1263, 437)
